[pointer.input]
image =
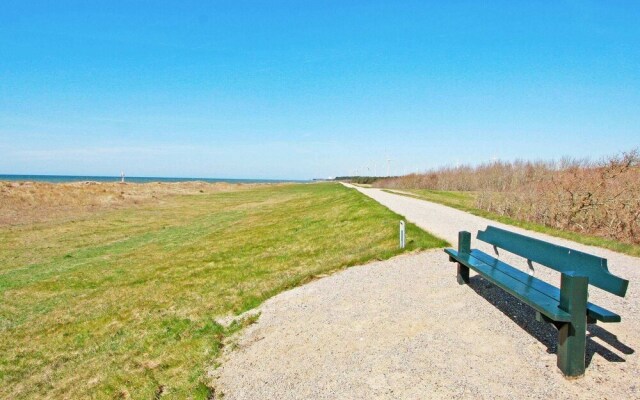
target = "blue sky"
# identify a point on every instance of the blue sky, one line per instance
(301, 89)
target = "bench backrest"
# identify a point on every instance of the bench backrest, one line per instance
(560, 258)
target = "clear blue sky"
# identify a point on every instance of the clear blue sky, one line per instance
(301, 89)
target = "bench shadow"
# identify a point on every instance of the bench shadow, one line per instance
(545, 333)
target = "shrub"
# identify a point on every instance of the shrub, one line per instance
(594, 197)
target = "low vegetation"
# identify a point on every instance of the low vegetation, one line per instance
(362, 180)
(466, 201)
(122, 303)
(28, 202)
(599, 199)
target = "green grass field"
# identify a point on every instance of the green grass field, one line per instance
(122, 304)
(466, 201)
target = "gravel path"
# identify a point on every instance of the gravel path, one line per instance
(404, 329)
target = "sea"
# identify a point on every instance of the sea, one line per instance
(131, 179)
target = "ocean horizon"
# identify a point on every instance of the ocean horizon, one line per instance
(132, 179)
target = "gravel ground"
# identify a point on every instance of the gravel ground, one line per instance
(404, 329)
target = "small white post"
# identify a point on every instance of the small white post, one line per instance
(402, 235)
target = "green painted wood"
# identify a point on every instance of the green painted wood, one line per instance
(597, 313)
(522, 291)
(543, 318)
(567, 308)
(464, 242)
(464, 247)
(572, 336)
(593, 311)
(559, 258)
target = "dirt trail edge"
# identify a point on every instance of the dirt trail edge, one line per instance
(404, 329)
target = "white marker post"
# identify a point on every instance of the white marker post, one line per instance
(402, 235)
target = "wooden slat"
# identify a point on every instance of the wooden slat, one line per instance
(593, 311)
(560, 258)
(524, 292)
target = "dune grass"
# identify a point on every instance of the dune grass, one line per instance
(465, 201)
(122, 303)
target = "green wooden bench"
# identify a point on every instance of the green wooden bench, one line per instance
(566, 307)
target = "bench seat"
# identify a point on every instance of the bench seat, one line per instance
(594, 312)
(523, 291)
(483, 263)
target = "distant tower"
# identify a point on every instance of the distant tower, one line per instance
(121, 176)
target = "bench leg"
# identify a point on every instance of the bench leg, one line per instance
(463, 274)
(572, 336)
(464, 246)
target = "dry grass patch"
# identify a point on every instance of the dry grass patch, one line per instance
(29, 202)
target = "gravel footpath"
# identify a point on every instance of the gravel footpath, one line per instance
(404, 329)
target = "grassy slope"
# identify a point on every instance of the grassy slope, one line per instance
(465, 201)
(122, 303)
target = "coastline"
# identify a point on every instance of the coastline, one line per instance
(132, 179)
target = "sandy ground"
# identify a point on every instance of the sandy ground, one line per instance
(404, 329)
(24, 202)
